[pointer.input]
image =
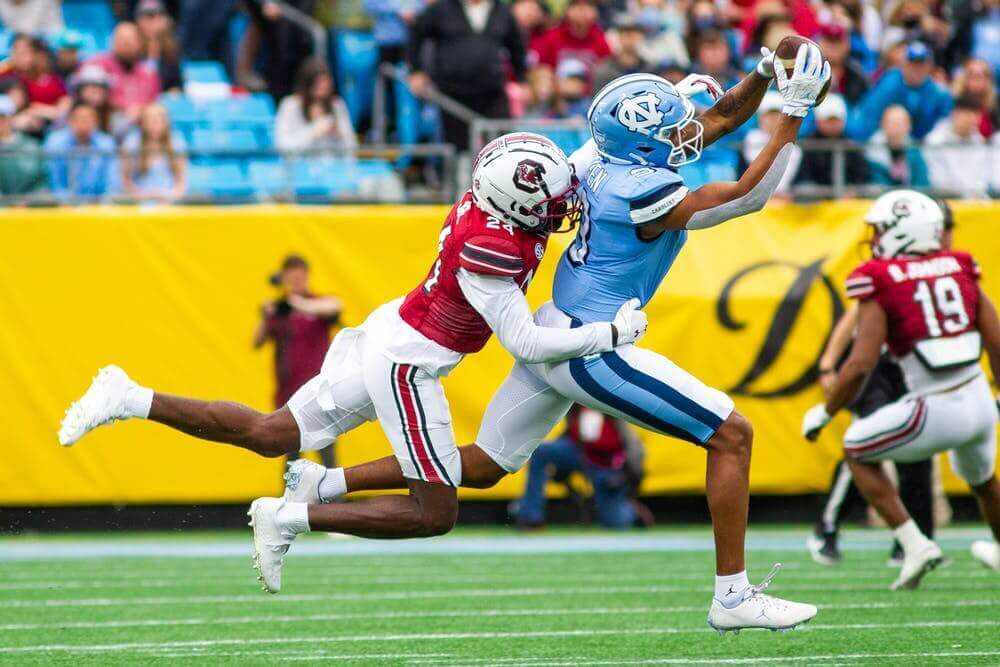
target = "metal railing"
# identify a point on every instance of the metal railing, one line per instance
(369, 174)
(980, 175)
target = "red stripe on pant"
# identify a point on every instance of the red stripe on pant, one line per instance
(904, 432)
(412, 426)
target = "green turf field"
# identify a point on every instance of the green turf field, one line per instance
(476, 598)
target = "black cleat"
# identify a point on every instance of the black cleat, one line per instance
(823, 548)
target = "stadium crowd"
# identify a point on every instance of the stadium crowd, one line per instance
(914, 96)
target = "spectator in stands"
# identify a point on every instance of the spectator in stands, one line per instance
(571, 99)
(847, 75)
(918, 22)
(91, 85)
(67, 53)
(314, 116)
(474, 42)
(81, 157)
(299, 323)
(203, 29)
(22, 169)
(818, 165)
(893, 159)
(663, 26)
(533, 19)
(134, 84)
(768, 117)
(393, 19)
(910, 85)
(32, 17)
(25, 120)
(30, 63)
(975, 80)
(154, 161)
(159, 43)
(712, 56)
(578, 36)
(863, 24)
(288, 45)
(595, 446)
(626, 58)
(958, 159)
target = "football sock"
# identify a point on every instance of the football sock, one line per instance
(333, 485)
(729, 588)
(138, 401)
(293, 518)
(910, 537)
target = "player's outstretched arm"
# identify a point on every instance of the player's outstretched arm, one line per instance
(736, 106)
(715, 203)
(502, 304)
(872, 331)
(840, 340)
(989, 329)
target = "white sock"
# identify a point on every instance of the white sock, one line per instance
(138, 401)
(333, 485)
(293, 518)
(910, 537)
(729, 588)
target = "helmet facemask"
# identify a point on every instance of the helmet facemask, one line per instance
(556, 214)
(685, 138)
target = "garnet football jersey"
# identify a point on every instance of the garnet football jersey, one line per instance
(476, 242)
(932, 296)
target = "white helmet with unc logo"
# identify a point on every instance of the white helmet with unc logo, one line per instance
(642, 119)
(525, 179)
(905, 222)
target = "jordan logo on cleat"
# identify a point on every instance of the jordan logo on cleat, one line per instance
(732, 590)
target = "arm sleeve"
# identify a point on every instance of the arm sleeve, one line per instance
(505, 309)
(860, 284)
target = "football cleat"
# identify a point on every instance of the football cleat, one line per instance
(895, 556)
(302, 482)
(270, 543)
(987, 553)
(917, 565)
(758, 610)
(823, 548)
(104, 403)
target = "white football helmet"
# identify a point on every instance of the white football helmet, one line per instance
(905, 222)
(525, 179)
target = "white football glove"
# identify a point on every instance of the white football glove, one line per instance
(693, 84)
(814, 421)
(765, 66)
(629, 324)
(809, 76)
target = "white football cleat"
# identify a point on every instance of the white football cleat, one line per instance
(270, 542)
(302, 482)
(987, 553)
(104, 403)
(760, 611)
(917, 565)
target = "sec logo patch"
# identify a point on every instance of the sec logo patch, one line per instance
(539, 251)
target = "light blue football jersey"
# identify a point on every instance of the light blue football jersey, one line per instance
(608, 263)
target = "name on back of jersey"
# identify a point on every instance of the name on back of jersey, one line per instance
(928, 268)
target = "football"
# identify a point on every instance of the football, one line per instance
(784, 56)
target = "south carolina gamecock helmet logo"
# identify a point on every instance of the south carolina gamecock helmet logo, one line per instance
(639, 113)
(528, 176)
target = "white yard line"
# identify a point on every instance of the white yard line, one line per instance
(455, 636)
(182, 580)
(457, 613)
(723, 661)
(422, 594)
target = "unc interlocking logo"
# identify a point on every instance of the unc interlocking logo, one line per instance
(639, 113)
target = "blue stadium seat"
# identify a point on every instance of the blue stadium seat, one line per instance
(180, 108)
(249, 109)
(218, 180)
(92, 18)
(268, 176)
(223, 139)
(356, 56)
(6, 37)
(203, 71)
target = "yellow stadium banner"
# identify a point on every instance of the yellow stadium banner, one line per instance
(173, 294)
